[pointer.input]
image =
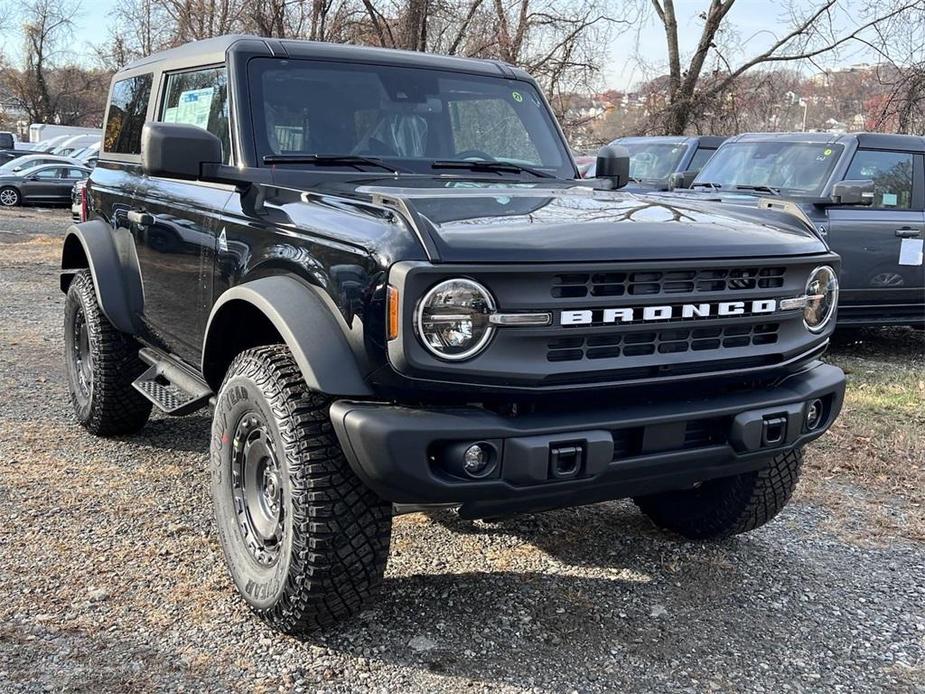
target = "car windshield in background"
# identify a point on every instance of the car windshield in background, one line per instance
(653, 162)
(797, 168)
(411, 119)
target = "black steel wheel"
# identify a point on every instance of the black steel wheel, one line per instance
(101, 364)
(257, 488)
(305, 541)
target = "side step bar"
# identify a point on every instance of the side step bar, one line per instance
(171, 385)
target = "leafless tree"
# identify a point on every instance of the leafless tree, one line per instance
(47, 86)
(696, 82)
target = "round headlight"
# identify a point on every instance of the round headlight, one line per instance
(821, 298)
(453, 319)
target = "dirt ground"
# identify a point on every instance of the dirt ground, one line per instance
(111, 577)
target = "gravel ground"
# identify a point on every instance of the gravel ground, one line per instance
(112, 578)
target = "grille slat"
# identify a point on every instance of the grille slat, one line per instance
(671, 341)
(676, 282)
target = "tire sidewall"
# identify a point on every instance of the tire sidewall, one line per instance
(261, 586)
(77, 301)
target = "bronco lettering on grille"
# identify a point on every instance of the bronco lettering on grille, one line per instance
(652, 313)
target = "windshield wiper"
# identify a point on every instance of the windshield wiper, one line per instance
(711, 186)
(497, 166)
(760, 189)
(332, 159)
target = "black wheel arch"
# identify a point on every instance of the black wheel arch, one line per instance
(91, 245)
(283, 309)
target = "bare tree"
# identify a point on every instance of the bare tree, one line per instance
(696, 82)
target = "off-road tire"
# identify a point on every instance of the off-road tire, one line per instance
(334, 531)
(110, 406)
(729, 505)
(7, 198)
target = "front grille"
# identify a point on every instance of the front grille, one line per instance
(648, 283)
(592, 339)
(639, 344)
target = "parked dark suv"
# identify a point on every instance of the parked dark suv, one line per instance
(863, 192)
(661, 162)
(380, 270)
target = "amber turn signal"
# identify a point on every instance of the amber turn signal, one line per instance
(392, 312)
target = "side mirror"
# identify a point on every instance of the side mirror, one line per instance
(177, 150)
(853, 193)
(613, 163)
(682, 179)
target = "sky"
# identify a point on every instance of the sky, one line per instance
(756, 22)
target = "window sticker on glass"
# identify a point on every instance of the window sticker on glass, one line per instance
(889, 200)
(170, 115)
(517, 96)
(194, 107)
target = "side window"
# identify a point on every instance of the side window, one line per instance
(891, 173)
(199, 98)
(491, 126)
(701, 157)
(128, 108)
(48, 173)
(76, 174)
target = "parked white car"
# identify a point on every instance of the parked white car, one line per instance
(20, 164)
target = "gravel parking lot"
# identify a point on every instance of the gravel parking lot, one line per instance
(112, 578)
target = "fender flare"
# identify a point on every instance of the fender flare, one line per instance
(113, 288)
(307, 326)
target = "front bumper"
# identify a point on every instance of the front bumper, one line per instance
(409, 455)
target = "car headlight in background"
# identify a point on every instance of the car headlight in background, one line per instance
(821, 298)
(453, 319)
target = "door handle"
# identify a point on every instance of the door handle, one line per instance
(908, 233)
(146, 219)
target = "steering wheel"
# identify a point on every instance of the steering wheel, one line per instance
(475, 154)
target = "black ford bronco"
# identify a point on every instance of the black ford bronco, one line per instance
(381, 272)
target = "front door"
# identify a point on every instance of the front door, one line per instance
(881, 273)
(48, 183)
(175, 222)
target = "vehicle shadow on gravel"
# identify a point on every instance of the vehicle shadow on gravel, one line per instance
(187, 434)
(594, 585)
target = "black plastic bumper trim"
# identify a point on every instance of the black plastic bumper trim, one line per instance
(392, 447)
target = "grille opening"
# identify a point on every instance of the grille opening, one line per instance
(648, 283)
(670, 341)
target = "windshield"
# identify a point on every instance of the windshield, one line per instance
(798, 168)
(411, 118)
(651, 161)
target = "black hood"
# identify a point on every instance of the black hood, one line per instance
(477, 223)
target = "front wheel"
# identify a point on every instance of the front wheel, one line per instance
(304, 539)
(729, 505)
(10, 197)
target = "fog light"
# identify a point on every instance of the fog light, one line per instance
(814, 414)
(477, 460)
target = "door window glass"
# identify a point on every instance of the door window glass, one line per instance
(891, 173)
(48, 173)
(76, 174)
(128, 109)
(199, 98)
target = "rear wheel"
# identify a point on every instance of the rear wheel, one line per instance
(10, 197)
(101, 365)
(304, 540)
(729, 505)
